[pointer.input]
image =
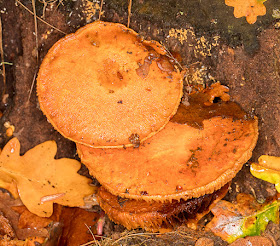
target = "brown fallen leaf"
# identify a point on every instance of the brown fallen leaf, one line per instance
(40, 179)
(246, 217)
(66, 226)
(6, 204)
(77, 223)
(30, 220)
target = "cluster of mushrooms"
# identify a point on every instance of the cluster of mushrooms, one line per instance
(118, 96)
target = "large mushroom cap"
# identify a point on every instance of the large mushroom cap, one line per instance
(104, 86)
(180, 161)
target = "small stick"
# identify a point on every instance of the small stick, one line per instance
(37, 47)
(100, 10)
(97, 243)
(22, 5)
(129, 12)
(32, 85)
(2, 59)
(35, 29)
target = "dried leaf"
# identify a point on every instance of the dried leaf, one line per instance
(77, 223)
(7, 241)
(40, 179)
(246, 217)
(6, 205)
(32, 241)
(6, 227)
(248, 8)
(268, 170)
(30, 220)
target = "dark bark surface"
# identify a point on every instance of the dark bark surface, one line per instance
(213, 44)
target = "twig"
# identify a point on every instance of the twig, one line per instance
(60, 2)
(136, 234)
(100, 10)
(186, 235)
(129, 12)
(44, 8)
(32, 85)
(22, 5)
(46, 2)
(37, 47)
(169, 54)
(36, 29)
(2, 59)
(96, 242)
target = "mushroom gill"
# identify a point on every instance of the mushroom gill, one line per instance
(155, 216)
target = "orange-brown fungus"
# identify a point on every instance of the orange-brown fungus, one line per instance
(154, 216)
(103, 84)
(180, 161)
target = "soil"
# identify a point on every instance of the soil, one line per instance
(213, 45)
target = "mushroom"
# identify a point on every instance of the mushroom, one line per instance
(199, 151)
(155, 216)
(117, 96)
(105, 86)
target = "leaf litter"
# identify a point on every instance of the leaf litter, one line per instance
(268, 169)
(244, 218)
(247, 217)
(40, 179)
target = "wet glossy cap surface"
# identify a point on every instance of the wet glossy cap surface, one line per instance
(181, 161)
(104, 86)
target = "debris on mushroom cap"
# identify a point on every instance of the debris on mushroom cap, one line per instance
(201, 106)
(104, 83)
(154, 216)
(216, 90)
(180, 161)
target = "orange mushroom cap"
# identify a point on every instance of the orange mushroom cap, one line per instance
(181, 161)
(104, 86)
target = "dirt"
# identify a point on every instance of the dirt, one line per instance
(213, 45)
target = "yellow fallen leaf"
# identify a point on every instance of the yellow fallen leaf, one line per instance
(268, 170)
(40, 179)
(245, 217)
(268, 161)
(251, 9)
